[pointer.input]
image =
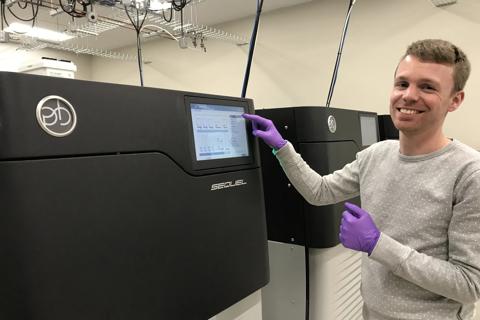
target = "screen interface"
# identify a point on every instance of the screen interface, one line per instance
(219, 132)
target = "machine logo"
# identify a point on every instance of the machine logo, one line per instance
(228, 184)
(332, 124)
(56, 116)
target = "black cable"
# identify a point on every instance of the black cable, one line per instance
(139, 58)
(171, 15)
(182, 4)
(4, 16)
(34, 13)
(179, 7)
(339, 54)
(181, 22)
(139, 48)
(17, 17)
(307, 276)
(253, 39)
(138, 20)
(138, 28)
(85, 5)
(72, 12)
(39, 4)
(143, 20)
(130, 18)
(20, 6)
(1, 15)
(21, 19)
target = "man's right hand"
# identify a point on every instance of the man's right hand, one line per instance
(265, 129)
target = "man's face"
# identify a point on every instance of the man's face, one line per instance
(422, 95)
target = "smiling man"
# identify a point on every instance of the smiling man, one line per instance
(428, 84)
(419, 224)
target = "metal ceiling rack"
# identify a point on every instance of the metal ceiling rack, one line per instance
(118, 19)
(155, 26)
(114, 17)
(207, 32)
(110, 54)
(30, 44)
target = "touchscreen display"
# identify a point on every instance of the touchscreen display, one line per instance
(219, 132)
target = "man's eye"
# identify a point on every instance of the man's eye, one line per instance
(427, 87)
(401, 84)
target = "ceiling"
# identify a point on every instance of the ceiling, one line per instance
(213, 12)
(208, 12)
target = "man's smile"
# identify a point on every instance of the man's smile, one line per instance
(409, 111)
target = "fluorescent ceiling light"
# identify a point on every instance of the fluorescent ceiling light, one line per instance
(157, 5)
(39, 33)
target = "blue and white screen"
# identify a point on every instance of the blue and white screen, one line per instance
(219, 131)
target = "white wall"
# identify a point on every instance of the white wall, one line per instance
(296, 52)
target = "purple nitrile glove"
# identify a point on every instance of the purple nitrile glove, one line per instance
(358, 231)
(265, 129)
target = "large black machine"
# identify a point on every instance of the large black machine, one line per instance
(121, 202)
(327, 139)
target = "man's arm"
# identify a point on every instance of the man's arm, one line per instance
(316, 189)
(459, 277)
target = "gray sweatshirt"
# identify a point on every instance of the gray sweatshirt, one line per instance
(426, 264)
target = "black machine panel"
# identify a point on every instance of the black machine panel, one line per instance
(326, 157)
(110, 119)
(114, 221)
(387, 128)
(327, 145)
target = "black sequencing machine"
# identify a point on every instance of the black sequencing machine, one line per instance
(327, 139)
(126, 203)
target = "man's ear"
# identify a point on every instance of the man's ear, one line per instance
(456, 101)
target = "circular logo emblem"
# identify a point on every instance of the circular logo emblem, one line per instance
(332, 124)
(56, 116)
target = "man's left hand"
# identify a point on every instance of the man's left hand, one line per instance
(358, 231)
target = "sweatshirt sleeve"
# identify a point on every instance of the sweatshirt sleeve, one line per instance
(316, 189)
(458, 278)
